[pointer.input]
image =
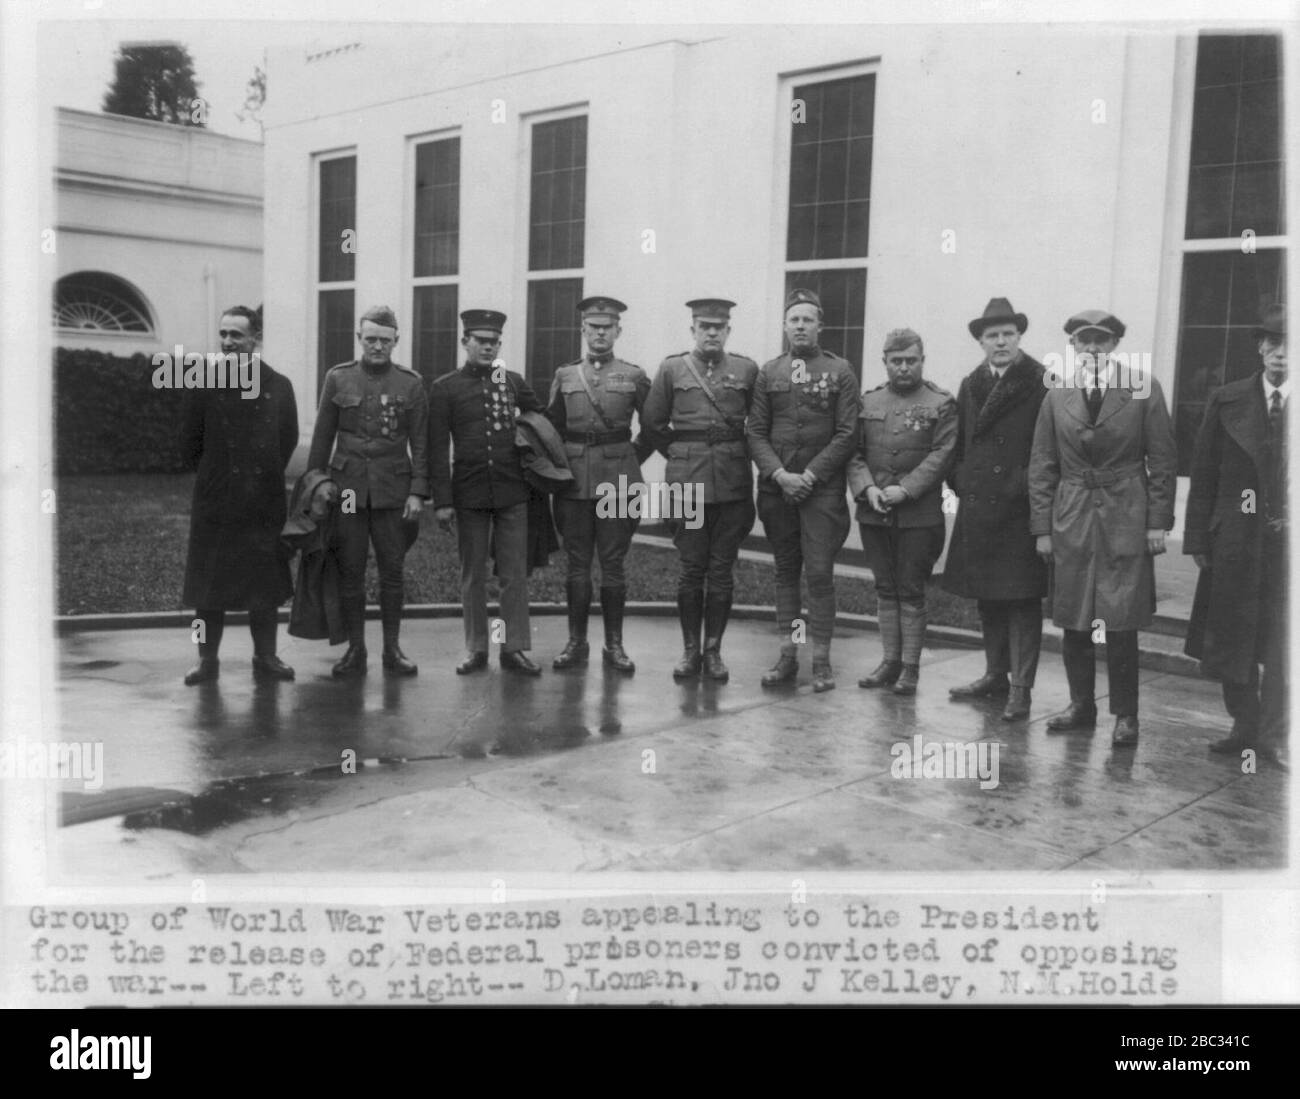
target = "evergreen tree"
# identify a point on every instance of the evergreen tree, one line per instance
(157, 82)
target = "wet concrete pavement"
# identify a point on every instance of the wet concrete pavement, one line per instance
(593, 771)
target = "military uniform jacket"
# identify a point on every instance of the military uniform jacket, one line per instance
(620, 388)
(381, 421)
(905, 439)
(678, 404)
(475, 414)
(804, 425)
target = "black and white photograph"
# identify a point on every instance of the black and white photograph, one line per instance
(701, 505)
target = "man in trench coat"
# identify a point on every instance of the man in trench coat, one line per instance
(992, 557)
(1237, 530)
(241, 447)
(1101, 496)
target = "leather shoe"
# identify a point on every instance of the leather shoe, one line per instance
(907, 681)
(688, 667)
(989, 685)
(785, 670)
(1126, 732)
(271, 667)
(823, 678)
(396, 662)
(713, 668)
(1078, 715)
(517, 661)
(205, 671)
(1276, 754)
(573, 655)
(615, 657)
(885, 675)
(1231, 746)
(474, 662)
(353, 663)
(1017, 704)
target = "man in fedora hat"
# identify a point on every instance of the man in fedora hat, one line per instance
(1101, 496)
(592, 403)
(1237, 531)
(373, 416)
(992, 558)
(801, 432)
(695, 414)
(472, 410)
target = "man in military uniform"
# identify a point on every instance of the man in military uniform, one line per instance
(908, 433)
(591, 404)
(695, 415)
(801, 433)
(378, 413)
(473, 410)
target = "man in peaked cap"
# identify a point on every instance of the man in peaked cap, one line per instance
(695, 415)
(1240, 614)
(908, 432)
(592, 402)
(374, 416)
(472, 411)
(992, 557)
(801, 431)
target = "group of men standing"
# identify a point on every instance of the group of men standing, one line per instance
(1066, 489)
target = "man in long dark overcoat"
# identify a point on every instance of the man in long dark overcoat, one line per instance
(991, 558)
(1236, 528)
(241, 446)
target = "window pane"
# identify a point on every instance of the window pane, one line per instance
(435, 349)
(558, 206)
(338, 213)
(437, 207)
(844, 297)
(553, 333)
(334, 309)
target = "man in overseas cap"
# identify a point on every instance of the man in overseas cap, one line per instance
(695, 415)
(801, 432)
(378, 413)
(1240, 614)
(992, 557)
(591, 404)
(472, 410)
(906, 438)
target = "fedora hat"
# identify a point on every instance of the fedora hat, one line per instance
(1272, 322)
(998, 311)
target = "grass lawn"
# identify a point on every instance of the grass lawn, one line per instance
(121, 548)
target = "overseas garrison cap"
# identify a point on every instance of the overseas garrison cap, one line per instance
(802, 297)
(1095, 318)
(1272, 322)
(899, 339)
(490, 320)
(712, 309)
(379, 314)
(601, 307)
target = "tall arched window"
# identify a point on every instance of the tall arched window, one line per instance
(93, 301)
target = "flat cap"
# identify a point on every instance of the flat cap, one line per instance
(1272, 322)
(799, 296)
(486, 319)
(716, 309)
(379, 314)
(601, 306)
(899, 339)
(1095, 318)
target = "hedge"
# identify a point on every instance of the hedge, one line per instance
(109, 418)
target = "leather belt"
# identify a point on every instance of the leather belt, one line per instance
(1100, 478)
(598, 438)
(719, 434)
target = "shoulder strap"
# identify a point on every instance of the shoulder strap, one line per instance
(595, 404)
(708, 389)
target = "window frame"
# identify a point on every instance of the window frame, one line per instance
(413, 281)
(318, 285)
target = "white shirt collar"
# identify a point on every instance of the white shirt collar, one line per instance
(1269, 388)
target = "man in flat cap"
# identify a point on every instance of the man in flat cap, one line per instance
(1237, 528)
(374, 416)
(1101, 496)
(906, 438)
(592, 403)
(696, 415)
(801, 432)
(472, 411)
(992, 558)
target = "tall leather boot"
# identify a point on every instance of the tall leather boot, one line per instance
(612, 601)
(578, 597)
(354, 621)
(690, 612)
(390, 613)
(912, 621)
(891, 647)
(717, 609)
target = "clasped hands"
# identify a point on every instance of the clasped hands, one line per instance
(882, 499)
(795, 487)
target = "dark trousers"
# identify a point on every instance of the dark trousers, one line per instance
(1013, 635)
(708, 552)
(505, 532)
(382, 528)
(805, 539)
(901, 559)
(1260, 707)
(587, 535)
(261, 624)
(1079, 654)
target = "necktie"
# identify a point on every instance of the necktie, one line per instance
(1277, 448)
(1094, 398)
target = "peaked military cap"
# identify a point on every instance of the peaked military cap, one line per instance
(1095, 318)
(998, 311)
(711, 308)
(598, 306)
(799, 296)
(379, 314)
(483, 319)
(1272, 322)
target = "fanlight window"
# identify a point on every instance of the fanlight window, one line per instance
(95, 302)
